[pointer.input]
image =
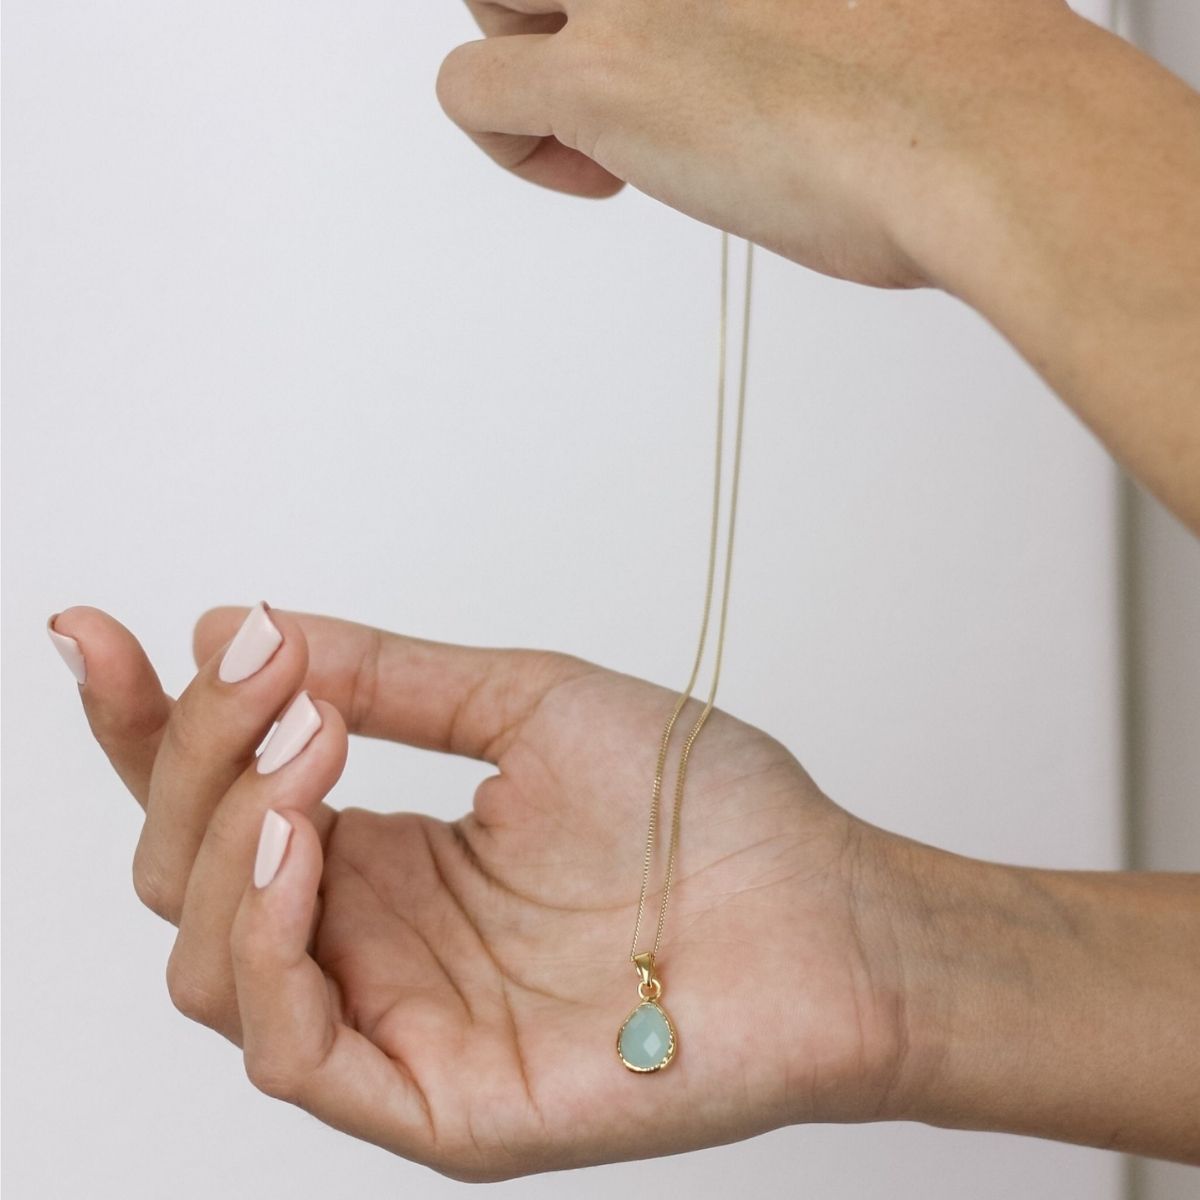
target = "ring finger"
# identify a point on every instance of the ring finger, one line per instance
(299, 765)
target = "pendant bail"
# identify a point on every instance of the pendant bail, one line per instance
(644, 962)
(649, 987)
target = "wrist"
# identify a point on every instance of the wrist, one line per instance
(1060, 1004)
(900, 894)
(966, 983)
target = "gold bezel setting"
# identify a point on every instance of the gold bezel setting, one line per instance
(671, 1044)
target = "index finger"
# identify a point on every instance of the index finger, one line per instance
(468, 700)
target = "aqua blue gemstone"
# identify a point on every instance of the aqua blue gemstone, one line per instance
(646, 1040)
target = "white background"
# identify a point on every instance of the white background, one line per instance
(275, 329)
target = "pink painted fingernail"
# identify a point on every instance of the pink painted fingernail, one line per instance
(294, 731)
(68, 647)
(251, 648)
(272, 845)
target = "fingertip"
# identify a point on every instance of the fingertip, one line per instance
(274, 923)
(219, 627)
(293, 632)
(274, 836)
(69, 651)
(214, 628)
(333, 724)
(123, 689)
(84, 623)
(289, 851)
(337, 739)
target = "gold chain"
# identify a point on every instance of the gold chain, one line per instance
(686, 694)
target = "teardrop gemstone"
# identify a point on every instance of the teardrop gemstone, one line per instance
(647, 1038)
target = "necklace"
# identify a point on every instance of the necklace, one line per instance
(647, 1040)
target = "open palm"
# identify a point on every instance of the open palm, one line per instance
(453, 990)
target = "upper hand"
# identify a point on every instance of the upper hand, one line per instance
(835, 132)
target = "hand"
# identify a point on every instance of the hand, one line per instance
(453, 991)
(1012, 153)
(834, 132)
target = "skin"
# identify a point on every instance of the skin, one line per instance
(452, 990)
(1011, 153)
(500, 939)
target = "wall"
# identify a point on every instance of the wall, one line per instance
(276, 329)
(1165, 586)
(1163, 630)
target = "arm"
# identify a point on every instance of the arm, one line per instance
(1075, 229)
(1063, 1004)
(1014, 154)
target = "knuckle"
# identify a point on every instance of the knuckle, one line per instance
(365, 687)
(154, 888)
(270, 1076)
(192, 996)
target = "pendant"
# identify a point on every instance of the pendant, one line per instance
(646, 1040)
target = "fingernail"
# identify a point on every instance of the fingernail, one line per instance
(251, 648)
(272, 844)
(68, 647)
(294, 731)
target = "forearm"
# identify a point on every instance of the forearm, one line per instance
(1067, 197)
(1054, 1003)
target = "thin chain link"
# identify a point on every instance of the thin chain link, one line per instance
(686, 694)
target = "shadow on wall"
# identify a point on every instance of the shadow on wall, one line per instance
(1162, 589)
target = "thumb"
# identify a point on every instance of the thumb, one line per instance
(466, 700)
(500, 92)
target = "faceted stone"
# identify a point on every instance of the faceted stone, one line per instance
(646, 1041)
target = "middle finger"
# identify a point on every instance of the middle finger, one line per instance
(212, 734)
